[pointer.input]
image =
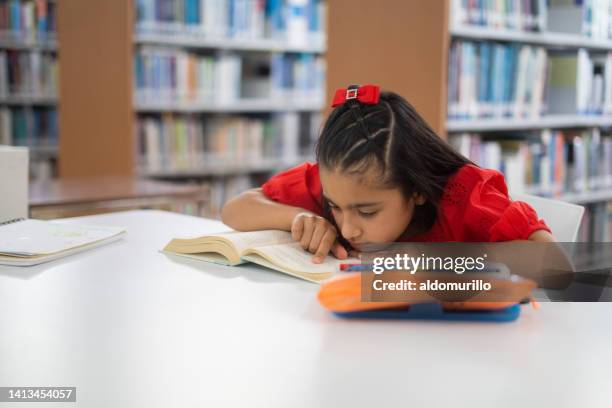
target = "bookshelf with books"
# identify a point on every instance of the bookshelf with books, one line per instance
(216, 92)
(110, 124)
(175, 146)
(499, 79)
(227, 92)
(29, 81)
(566, 164)
(530, 93)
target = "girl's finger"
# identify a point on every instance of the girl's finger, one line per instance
(326, 244)
(339, 251)
(297, 228)
(317, 235)
(307, 233)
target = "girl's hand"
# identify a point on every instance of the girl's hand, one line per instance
(317, 235)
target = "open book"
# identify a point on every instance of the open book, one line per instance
(272, 249)
(26, 242)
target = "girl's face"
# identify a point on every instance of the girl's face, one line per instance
(364, 212)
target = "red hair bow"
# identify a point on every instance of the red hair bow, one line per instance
(368, 94)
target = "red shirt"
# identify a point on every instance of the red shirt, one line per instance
(475, 206)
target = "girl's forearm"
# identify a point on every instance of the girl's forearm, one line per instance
(542, 236)
(252, 211)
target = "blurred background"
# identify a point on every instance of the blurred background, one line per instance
(182, 104)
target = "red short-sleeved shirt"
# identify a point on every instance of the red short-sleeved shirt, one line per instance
(475, 206)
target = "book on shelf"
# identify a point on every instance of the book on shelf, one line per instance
(193, 143)
(180, 76)
(174, 75)
(29, 126)
(550, 162)
(271, 249)
(27, 20)
(494, 80)
(522, 15)
(246, 19)
(608, 222)
(591, 18)
(602, 223)
(596, 225)
(298, 76)
(28, 74)
(296, 22)
(580, 83)
(228, 78)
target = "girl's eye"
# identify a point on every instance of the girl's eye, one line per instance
(334, 208)
(368, 214)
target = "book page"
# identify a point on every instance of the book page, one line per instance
(293, 257)
(212, 257)
(255, 239)
(36, 237)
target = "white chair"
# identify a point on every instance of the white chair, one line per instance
(562, 218)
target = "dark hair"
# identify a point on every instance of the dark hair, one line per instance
(392, 135)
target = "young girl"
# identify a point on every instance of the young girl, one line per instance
(383, 175)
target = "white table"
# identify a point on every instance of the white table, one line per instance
(131, 327)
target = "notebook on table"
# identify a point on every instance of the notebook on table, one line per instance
(26, 242)
(271, 248)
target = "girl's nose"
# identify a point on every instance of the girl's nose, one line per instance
(350, 230)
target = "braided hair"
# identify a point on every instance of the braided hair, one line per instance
(390, 144)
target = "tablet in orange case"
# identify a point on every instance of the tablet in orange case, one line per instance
(343, 296)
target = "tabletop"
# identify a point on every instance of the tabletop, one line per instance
(129, 326)
(71, 197)
(64, 191)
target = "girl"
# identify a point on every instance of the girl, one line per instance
(383, 175)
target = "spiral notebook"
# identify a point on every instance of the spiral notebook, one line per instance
(26, 242)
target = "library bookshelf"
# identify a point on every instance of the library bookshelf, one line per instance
(28, 81)
(404, 46)
(407, 47)
(114, 113)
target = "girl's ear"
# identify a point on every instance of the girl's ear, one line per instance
(418, 199)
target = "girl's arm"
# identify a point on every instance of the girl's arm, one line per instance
(252, 211)
(548, 264)
(542, 236)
